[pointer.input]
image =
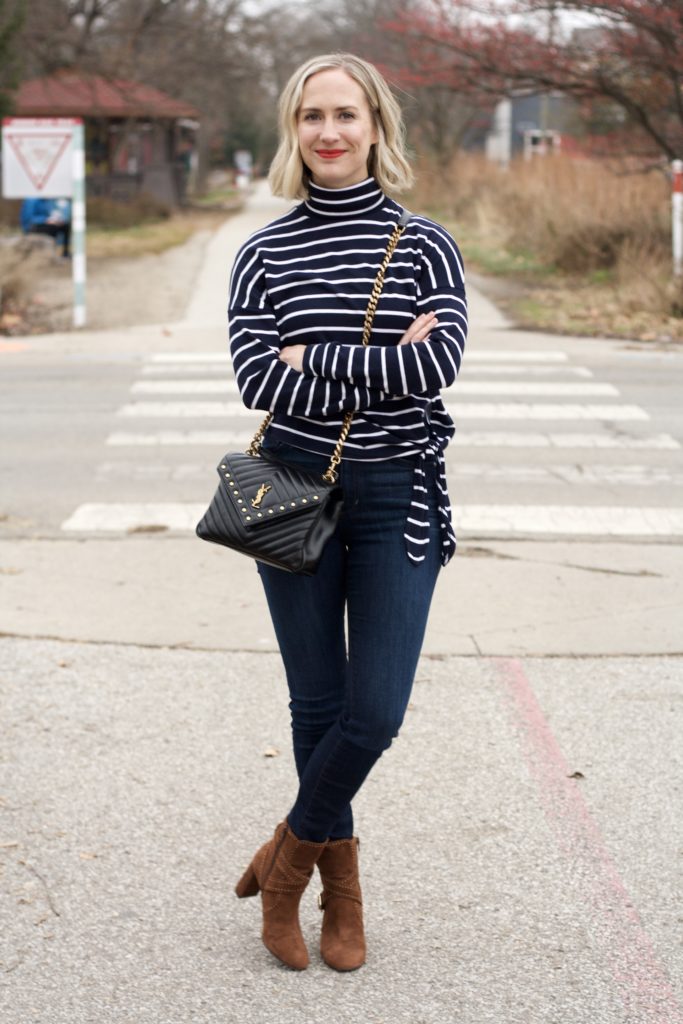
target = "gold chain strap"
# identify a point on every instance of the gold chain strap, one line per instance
(330, 474)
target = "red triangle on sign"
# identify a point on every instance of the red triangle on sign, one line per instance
(38, 153)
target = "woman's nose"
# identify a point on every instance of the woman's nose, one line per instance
(329, 130)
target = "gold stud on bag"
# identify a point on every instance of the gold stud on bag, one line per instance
(273, 511)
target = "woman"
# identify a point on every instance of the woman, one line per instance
(298, 295)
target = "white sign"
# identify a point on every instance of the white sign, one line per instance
(37, 157)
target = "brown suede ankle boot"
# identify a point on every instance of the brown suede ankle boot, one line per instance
(281, 870)
(342, 942)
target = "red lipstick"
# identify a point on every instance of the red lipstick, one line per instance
(329, 154)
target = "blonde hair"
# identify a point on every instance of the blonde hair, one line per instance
(289, 177)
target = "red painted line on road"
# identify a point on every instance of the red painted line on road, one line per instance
(13, 346)
(642, 983)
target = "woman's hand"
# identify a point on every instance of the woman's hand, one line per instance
(419, 329)
(293, 355)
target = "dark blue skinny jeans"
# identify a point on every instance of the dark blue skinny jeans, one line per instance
(348, 699)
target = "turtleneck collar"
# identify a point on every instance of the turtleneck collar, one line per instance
(344, 202)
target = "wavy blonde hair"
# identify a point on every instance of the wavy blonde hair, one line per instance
(289, 177)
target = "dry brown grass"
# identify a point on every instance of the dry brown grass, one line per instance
(588, 243)
(154, 237)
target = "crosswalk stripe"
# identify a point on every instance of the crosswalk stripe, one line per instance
(120, 517)
(462, 410)
(189, 357)
(211, 438)
(472, 520)
(509, 439)
(485, 356)
(570, 520)
(594, 474)
(556, 388)
(221, 371)
(177, 369)
(526, 370)
(463, 439)
(517, 356)
(157, 472)
(157, 370)
(542, 411)
(185, 387)
(479, 387)
(185, 410)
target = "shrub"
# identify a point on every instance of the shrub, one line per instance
(574, 215)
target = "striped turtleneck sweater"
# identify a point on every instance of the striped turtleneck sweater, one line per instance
(306, 279)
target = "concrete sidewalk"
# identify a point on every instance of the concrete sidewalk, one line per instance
(500, 884)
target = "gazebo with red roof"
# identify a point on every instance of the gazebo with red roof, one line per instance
(138, 138)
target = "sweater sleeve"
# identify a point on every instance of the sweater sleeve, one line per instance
(423, 366)
(264, 380)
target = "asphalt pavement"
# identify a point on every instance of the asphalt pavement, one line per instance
(522, 841)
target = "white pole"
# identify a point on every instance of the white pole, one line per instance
(677, 216)
(78, 224)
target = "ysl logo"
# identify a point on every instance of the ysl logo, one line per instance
(260, 495)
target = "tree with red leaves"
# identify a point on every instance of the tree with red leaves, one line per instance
(627, 54)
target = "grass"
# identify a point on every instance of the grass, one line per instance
(226, 196)
(583, 247)
(151, 238)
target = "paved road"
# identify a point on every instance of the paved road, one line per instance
(522, 844)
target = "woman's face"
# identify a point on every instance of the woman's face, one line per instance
(335, 128)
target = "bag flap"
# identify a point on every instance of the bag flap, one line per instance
(262, 490)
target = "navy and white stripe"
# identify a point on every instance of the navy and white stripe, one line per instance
(306, 279)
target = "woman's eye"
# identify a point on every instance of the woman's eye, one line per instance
(346, 115)
(311, 116)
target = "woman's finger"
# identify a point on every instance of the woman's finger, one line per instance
(419, 328)
(419, 333)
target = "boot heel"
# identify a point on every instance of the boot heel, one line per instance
(248, 884)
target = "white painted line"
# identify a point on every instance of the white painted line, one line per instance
(556, 389)
(562, 520)
(509, 439)
(219, 370)
(122, 518)
(593, 475)
(186, 410)
(156, 472)
(463, 439)
(570, 520)
(461, 410)
(525, 411)
(229, 387)
(516, 356)
(185, 387)
(218, 439)
(486, 370)
(485, 356)
(189, 357)
(472, 472)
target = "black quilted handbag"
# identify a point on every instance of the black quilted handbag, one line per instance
(271, 510)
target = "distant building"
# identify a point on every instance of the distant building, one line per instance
(525, 122)
(137, 138)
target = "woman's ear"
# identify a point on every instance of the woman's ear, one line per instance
(375, 129)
